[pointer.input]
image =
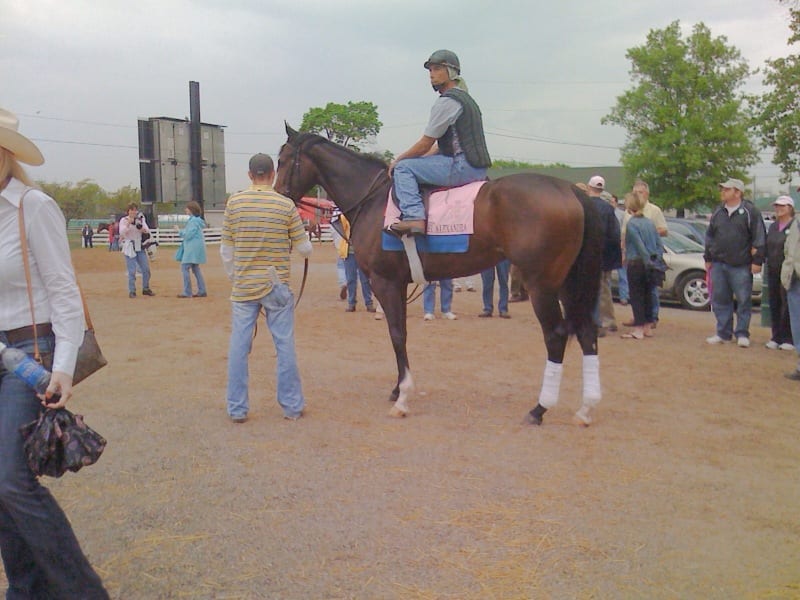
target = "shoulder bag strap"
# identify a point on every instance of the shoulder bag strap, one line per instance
(23, 239)
(23, 242)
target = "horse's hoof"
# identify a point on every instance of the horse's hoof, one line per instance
(534, 417)
(396, 413)
(583, 417)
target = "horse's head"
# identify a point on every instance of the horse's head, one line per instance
(296, 171)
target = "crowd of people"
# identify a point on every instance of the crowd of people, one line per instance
(41, 555)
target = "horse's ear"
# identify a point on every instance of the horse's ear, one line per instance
(289, 131)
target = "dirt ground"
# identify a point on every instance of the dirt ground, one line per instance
(686, 486)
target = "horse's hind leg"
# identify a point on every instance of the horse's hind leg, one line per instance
(548, 311)
(592, 393)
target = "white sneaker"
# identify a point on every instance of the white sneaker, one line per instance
(772, 345)
(715, 339)
(428, 317)
(449, 315)
(743, 342)
(786, 346)
(456, 287)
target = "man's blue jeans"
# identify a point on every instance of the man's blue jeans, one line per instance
(354, 275)
(187, 282)
(436, 169)
(487, 278)
(144, 266)
(728, 284)
(622, 287)
(41, 555)
(445, 296)
(279, 307)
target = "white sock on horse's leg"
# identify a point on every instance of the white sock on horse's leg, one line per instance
(400, 406)
(551, 384)
(592, 392)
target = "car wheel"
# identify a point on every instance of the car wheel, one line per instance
(692, 291)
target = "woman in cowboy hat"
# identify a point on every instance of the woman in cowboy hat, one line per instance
(41, 555)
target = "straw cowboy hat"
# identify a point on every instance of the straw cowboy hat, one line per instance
(16, 143)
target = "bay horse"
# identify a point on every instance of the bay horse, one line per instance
(547, 227)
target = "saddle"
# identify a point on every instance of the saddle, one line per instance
(449, 210)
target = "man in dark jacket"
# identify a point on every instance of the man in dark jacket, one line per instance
(735, 246)
(612, 255)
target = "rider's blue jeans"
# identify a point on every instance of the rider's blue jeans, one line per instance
(437, 169)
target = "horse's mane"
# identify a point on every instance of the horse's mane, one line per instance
(318, 139)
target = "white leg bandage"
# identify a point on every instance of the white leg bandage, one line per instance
(591, 380)
(551, 384)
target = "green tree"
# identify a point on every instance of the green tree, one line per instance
(346, 124)
(688, 122)
(80, 200)
(118, 201)
(779, 107)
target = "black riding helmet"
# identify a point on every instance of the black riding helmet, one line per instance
(445, 58)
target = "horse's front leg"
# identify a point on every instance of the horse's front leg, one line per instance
(392, 296)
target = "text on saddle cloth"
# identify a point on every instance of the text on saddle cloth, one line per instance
(450, 211)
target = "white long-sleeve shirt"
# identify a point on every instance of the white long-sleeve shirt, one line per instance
(56, 298)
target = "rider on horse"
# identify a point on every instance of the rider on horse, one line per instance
(456, 127)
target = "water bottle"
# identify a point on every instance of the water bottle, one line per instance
(23, 366)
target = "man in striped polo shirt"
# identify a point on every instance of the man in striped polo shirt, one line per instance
(258, 232)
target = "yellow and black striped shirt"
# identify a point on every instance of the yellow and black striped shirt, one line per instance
(261, 225)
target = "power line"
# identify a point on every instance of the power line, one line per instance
(550, 141)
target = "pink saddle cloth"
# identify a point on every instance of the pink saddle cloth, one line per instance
(450, 212)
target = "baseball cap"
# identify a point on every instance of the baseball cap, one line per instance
(733, 183)
(784, 201)
(597, 182)
(261, 164)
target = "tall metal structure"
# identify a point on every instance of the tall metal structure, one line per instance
(182, 160)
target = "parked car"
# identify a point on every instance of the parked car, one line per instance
(686, 274)
(694, 229)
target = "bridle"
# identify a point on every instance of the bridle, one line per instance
(351, 213)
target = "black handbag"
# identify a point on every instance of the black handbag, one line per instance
(59, 441)
(656, 271)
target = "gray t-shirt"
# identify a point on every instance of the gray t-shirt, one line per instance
(444, 113)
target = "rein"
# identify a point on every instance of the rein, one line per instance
(351, 213)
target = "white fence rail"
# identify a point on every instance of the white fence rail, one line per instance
(171, 237)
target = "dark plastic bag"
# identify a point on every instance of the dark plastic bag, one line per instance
(59, 441)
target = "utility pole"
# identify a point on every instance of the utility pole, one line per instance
(195, 144)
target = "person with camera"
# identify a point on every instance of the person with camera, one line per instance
(131, 229)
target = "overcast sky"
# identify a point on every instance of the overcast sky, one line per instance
(79, 73)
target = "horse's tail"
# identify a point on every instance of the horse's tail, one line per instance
(582, 286)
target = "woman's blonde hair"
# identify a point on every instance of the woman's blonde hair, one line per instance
(9, 166)
(634, 203)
